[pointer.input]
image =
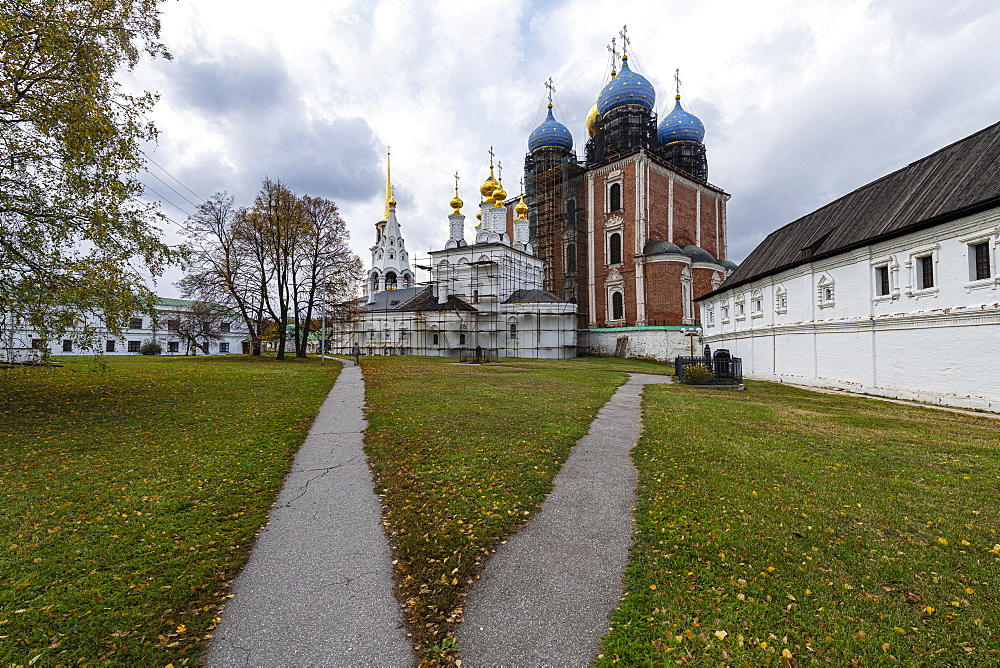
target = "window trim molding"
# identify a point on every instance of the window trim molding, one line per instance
(932, 251)
(780, 299)
(740, 307)
(608, 236)
(615, 178)
(826, 281)
(757, 303)
(892, 266)
(992, 238)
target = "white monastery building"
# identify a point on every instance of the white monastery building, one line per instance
(893, 289)
(24, 344)
(484, 295)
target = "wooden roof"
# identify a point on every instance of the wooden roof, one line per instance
(956, 181)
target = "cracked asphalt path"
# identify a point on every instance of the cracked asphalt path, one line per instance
(317, 589)
(545, 596)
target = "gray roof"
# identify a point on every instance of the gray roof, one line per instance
(533, 297)
(956, 181)
(394, 300)
(414, 299)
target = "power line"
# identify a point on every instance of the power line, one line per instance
(181, 195)
(168, 202)
(199, 197)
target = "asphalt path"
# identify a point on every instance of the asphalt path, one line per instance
(317, 589)
(545, 596)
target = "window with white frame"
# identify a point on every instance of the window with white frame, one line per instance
(724, 312)
(109, 346)
(825, 291)
(780, 299)
(615, 248)
(617, 306)
(614, 197)
(922, 270)
(925, 272)
(67, 345)
(980, 267)
(756, 304)
(739, 307)
(172, 346)
(133, 346)
(882, 280)
(710, 315)
(224, 347)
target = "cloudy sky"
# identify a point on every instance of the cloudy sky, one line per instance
(803, 100)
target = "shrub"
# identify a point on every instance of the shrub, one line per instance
(695, 374)
(151, 348)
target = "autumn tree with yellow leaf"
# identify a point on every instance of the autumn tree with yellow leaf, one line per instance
(74, 239)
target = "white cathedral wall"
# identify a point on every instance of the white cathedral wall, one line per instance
(935, 345)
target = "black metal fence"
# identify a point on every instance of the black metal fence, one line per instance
(718, 369)
(479, 355)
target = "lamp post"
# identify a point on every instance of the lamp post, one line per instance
(691, 333)
(322, 325)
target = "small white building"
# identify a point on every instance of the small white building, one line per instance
(892, 290)
(485, 295)
(23, 344)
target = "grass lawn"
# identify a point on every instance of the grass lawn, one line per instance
(779, 526)
(131, 494)
(464, 455)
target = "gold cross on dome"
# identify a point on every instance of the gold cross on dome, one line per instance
(456, 184)
(625, 41)
(491, 157)
(677, 80)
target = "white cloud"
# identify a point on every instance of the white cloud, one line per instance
(803, 102)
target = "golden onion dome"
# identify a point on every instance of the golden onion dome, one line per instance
(521, 209)
(592, 117)
(489, 185)
(499, 195)
(456, 203)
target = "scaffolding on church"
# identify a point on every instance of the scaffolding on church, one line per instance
(553, 179)
(477, 312)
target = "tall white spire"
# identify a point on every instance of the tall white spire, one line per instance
(390, 268)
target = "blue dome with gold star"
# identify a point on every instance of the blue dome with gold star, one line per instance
(550, 133)
(680, 125)
(627, 88)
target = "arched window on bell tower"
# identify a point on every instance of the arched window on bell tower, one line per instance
(615, 248)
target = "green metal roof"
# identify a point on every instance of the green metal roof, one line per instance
(167, 301)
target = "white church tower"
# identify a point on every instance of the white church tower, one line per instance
(390, 268)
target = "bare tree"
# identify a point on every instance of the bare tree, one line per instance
(224, 266)
(325, 268)
(275, 229)
(275, 263)
(201, 324)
